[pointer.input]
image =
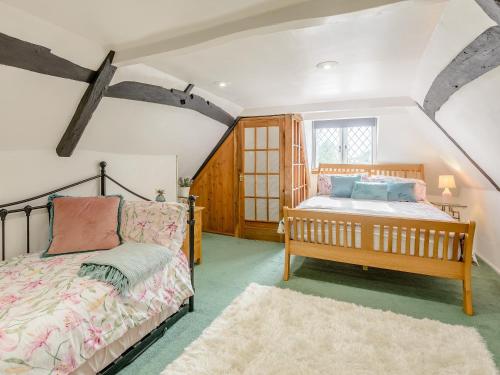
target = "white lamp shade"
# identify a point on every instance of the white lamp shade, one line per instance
(447, 182)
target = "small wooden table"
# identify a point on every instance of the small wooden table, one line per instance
(197, 236)
(451, 208)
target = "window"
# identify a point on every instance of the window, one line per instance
(345, 141)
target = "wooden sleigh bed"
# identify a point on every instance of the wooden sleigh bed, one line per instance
(395, 243)
(113, 357)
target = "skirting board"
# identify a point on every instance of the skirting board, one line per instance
(489, 263)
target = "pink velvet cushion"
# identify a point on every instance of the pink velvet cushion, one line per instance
(84, 224)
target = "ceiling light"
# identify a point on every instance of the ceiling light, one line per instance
(326, 65)
(222, 84)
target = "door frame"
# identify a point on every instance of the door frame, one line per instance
(269, 229)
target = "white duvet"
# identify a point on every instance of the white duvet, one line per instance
(406, 210)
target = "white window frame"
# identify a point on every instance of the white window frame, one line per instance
(344, 124)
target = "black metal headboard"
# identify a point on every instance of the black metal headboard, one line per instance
(102, 176)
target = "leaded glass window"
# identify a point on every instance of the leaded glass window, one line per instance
(344, 141)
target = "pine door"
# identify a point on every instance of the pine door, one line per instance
(261, 177)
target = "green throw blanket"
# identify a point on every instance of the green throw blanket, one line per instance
(126, 265)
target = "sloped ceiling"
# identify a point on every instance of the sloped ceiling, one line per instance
(385, 49)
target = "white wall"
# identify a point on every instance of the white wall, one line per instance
(25, 173)
(36, 108)
(140, 141)
(471, 117)
(401, 138)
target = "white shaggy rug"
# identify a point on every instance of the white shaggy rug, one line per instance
(268, 330)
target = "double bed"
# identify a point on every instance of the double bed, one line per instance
(52, 321)
(404, 236)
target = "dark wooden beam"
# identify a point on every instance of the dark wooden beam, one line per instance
(491, 8)
(86, 108)
(217, 146)
(24, 55)
(188, 88)
(172, 97)
(457, 145)
(478, 58)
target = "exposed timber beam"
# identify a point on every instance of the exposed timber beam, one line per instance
(24, 55)
(478, 58)
(217, 146)
(87, 106)
(304, 14)
(189, 88)
(172, 97)
(491, 8)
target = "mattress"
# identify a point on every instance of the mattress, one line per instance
(53, 322)
(406, 210)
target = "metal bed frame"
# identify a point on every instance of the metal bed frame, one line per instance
(138, 348)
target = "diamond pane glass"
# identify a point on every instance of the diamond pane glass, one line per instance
(328, 145)
(359, 145)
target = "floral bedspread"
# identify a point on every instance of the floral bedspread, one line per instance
(51, 320)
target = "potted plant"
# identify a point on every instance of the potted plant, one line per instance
(184, 185)
(160, 197)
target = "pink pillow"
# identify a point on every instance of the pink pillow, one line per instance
(155, 223)
(324, 184)
(83, 224)
(420, 185)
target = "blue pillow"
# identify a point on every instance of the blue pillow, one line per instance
(370, 190)
(401, 191)
(342, 185)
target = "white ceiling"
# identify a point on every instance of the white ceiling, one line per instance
(378, 51)
(117, 23)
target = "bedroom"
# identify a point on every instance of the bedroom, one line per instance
(321, 139)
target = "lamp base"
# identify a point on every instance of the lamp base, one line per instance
(446, 196)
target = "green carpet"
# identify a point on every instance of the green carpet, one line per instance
(230, 264)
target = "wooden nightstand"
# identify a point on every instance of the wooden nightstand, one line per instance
(197, 236)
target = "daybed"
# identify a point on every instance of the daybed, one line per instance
(54, 322)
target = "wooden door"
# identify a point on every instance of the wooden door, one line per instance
(261, 177)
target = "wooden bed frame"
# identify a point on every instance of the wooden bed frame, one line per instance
(312, 226)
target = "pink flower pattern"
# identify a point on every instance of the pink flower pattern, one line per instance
(53, 319)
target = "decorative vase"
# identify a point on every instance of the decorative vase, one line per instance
(160, 197)
(184, 191)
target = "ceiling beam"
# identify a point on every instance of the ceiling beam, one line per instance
(159, 95)
(24, 55)
(476, 59)
(303, 14)
(86, 108)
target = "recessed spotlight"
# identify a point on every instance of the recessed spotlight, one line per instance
(326, 65)
(222, 84)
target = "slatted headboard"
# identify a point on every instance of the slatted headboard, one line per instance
(398, 170)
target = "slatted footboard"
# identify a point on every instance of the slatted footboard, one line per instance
(435, 248)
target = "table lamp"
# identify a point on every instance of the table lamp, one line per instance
(447, 182)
